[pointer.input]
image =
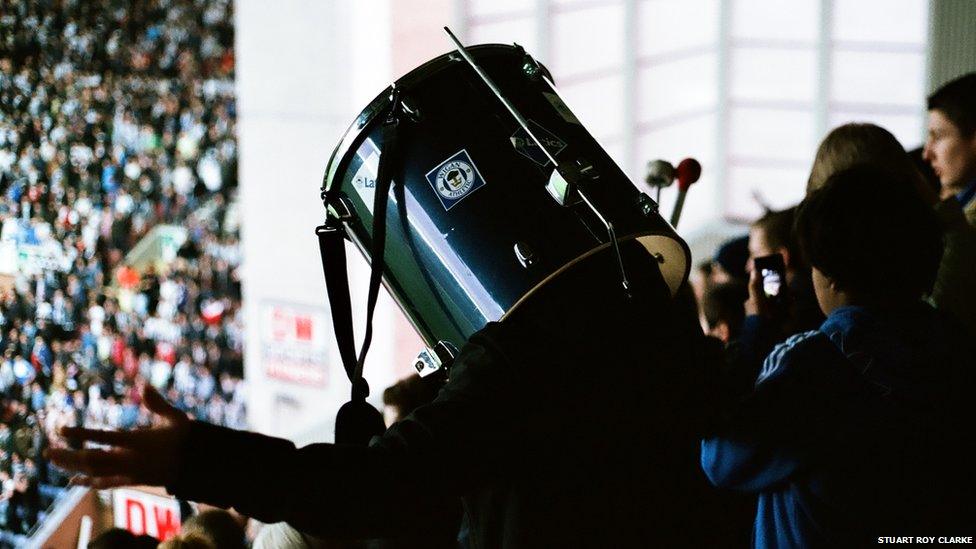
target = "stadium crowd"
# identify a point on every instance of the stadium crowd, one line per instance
(115, 118)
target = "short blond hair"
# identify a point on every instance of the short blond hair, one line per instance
(859, 143)
(188, 541)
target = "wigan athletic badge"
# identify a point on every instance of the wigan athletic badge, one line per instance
(455, 178)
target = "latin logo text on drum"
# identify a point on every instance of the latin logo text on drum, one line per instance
(455, 178)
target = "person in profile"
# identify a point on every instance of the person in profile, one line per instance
(950, 147)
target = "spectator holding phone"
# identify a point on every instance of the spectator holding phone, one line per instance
(773, 234)
(792, 309)
(856, 430)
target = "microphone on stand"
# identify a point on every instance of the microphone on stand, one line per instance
(660, 174)
(688, 171)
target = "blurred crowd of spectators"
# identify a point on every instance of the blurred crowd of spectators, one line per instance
(115, 118)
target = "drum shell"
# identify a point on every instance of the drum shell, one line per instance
(454, 269)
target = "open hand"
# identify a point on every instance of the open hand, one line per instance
(141, 457)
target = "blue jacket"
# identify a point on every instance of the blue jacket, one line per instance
(854, 431)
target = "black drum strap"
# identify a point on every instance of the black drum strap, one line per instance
(333, 251)
(357, 421)
(384, 178)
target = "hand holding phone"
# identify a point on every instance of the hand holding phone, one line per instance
(772, 270)
(767, 286)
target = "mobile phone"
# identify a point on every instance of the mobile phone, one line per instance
(772, 269)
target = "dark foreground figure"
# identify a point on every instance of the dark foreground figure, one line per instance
(573, 423)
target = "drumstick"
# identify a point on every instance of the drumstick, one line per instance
(689, 170)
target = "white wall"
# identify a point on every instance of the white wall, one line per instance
(305, 68)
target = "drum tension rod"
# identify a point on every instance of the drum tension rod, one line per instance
(563, 173)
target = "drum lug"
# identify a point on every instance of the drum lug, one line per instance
(364, 118)
(340, 208)
(410, 108)
(430, 361)
(530, 67)
(647, 205)
(393, 115)
(524, 254)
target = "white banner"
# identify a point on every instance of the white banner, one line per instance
(144, 513)
(294, 342)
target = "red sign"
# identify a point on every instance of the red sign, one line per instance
(294, 343)
(143, 513)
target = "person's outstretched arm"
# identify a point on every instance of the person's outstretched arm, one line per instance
(417, 469)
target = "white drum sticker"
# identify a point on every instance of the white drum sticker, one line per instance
(455, 178)
(561, 108)
(364, 180)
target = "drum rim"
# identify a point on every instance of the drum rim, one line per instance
(364, 120)
(593, 251)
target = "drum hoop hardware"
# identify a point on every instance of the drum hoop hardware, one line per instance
(530, 67)
(571, 180)
(435, 359)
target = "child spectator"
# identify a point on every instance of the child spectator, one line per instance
(857, 429)
(771, 234)
(859, 143)
(797, 311)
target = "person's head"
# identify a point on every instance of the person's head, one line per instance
(723, 309)
(731, 259)
(188, 541)
(869, 239)
(951, 143)
(771, 234)
(405, 396)
(217, 526)
(859, 143)
(117, 538)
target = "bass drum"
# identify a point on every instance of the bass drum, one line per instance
(474, 228)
